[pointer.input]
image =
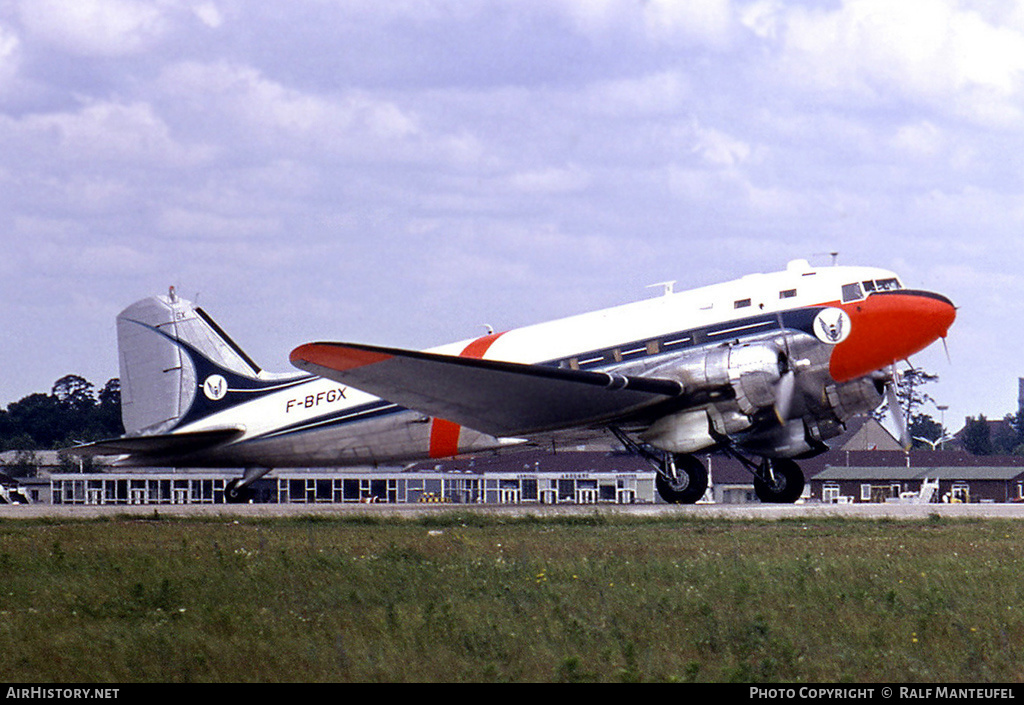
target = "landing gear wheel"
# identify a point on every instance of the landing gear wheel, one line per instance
(787, 486)
(688, 485)
(234, 494)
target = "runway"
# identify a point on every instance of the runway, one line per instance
(766, 512)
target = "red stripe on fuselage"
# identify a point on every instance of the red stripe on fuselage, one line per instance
(444, 434)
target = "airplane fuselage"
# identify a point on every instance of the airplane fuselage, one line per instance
(837, 325)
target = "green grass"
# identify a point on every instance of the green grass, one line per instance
(464, 597)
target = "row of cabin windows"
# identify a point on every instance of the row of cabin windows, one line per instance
(744, 303)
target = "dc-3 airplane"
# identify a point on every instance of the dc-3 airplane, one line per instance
(765, 368)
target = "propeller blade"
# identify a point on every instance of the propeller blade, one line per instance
(784, 391)
(897, 415)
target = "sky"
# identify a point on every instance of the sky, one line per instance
(408, 172)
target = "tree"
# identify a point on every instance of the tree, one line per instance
(69, 414)
(911, 398)
(36, 422)
(109, 410)
(74, 391)
(1006, 436)
(923, 426)
(976, 437)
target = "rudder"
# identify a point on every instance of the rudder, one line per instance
(167, 349)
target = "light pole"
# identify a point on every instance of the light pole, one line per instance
(942, 422)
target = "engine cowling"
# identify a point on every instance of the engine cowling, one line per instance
(752, 374)
(751, 371)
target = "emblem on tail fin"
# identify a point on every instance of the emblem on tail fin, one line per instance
(215, 387)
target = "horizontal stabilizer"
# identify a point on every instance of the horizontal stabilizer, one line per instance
(494, 397)
(159, 446)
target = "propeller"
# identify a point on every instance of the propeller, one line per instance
(785, 388)
(898, 419)
(784, 391)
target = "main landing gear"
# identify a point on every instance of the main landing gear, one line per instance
(681, 479)
(778, 481)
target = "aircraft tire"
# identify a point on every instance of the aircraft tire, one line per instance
(233, 494)
(788, 485)
(690, 484)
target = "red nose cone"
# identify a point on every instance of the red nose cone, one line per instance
(887, 327)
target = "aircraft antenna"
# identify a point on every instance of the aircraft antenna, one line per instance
(666, 287)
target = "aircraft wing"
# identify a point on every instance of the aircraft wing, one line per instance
(497, 398)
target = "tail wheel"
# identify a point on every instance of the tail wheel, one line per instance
(236, 493)
(687, 484)
(781, 483)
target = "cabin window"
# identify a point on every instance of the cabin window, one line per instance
(787, 294)
(742, 303)
(852, 292)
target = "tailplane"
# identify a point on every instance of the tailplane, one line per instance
(177, 366)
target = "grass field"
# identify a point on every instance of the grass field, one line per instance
(462, 597)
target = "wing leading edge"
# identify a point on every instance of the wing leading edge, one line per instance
(498, 398)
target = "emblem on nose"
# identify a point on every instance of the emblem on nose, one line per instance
(832, 325)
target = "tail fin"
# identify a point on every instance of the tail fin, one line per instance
(177, 365)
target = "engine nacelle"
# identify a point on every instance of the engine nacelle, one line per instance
(750, 371)
(858, 396)
(754, 373)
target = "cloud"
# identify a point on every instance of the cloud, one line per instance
(10, 47)
(707, 23)
(252, 110)
(932, 51)
(107, 28)
(98, 133)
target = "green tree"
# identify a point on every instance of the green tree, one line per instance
(109, 410)
(909, 394)
(976, 437)
(924, 428)
(35, 422)
(69, 414)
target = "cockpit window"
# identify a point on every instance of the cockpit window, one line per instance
(852, 292)
(891, 284)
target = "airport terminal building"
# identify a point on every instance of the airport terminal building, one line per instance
(541, 478)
